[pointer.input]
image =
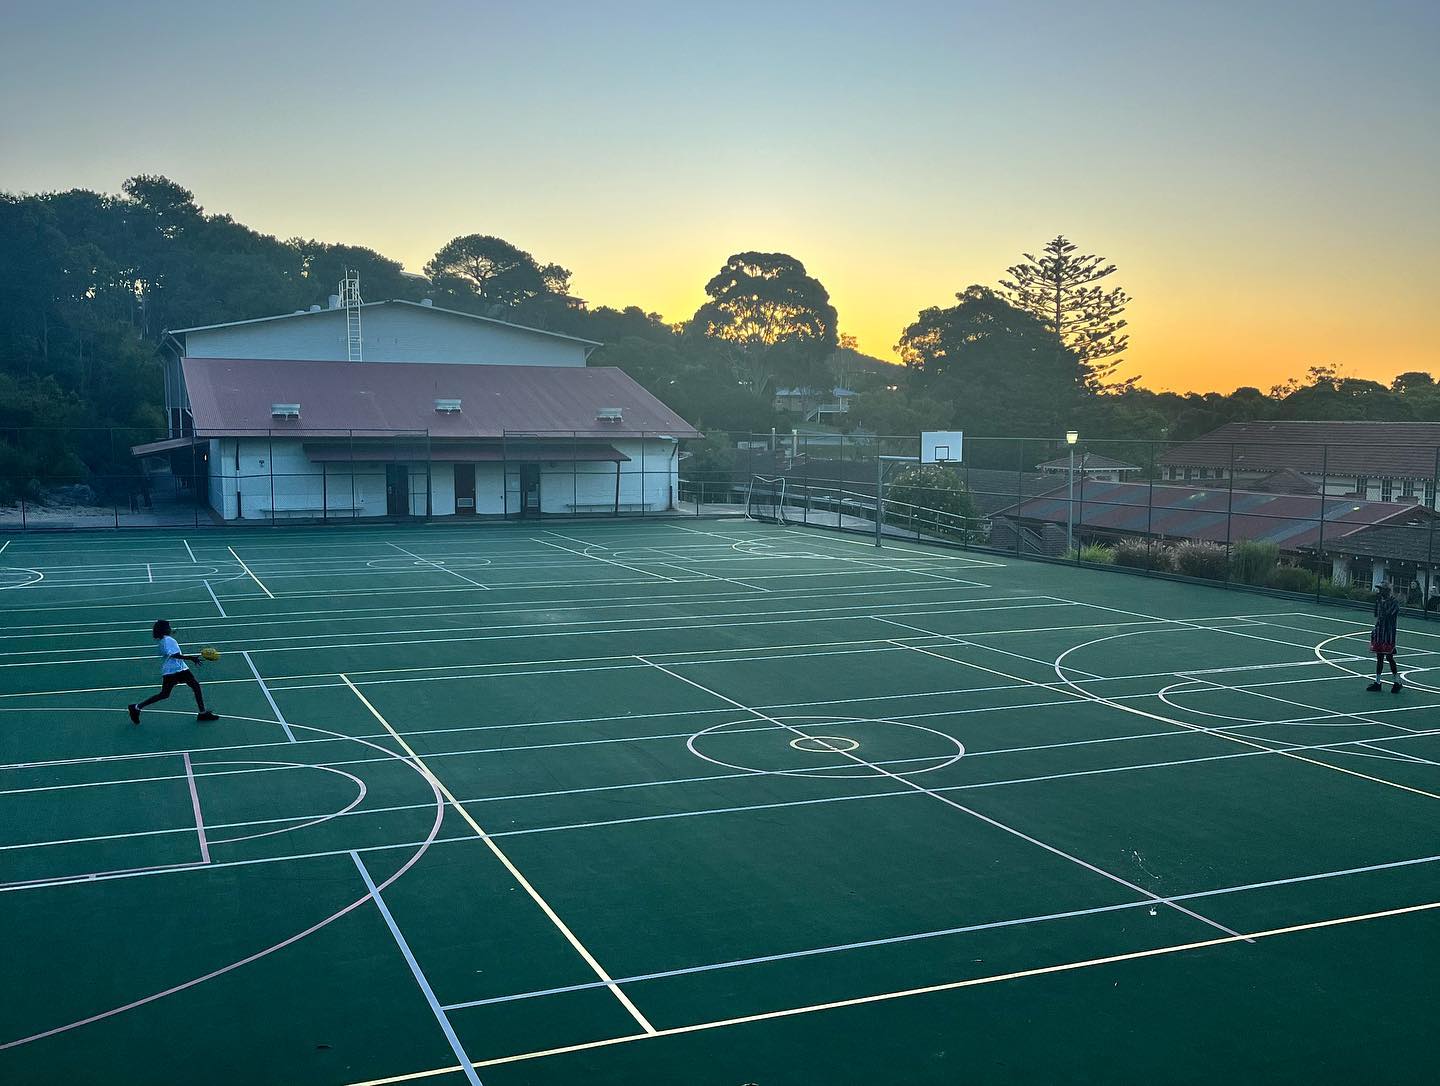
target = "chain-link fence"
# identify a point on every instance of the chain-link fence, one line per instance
(1330, 520)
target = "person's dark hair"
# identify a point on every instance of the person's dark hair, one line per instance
(160, 629)
(1385, 591)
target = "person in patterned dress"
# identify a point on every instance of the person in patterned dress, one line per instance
(1382, 637)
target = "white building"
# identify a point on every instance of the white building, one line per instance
(448, 414)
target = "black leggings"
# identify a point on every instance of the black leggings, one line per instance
(170, 682)
(1380, 658)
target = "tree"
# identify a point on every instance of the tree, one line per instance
(930, 495)
(492, 270)
(776, 318)
(997, 363)
(1061, 288)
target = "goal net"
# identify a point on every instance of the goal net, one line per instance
(765, 498)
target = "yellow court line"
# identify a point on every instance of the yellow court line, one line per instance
(906, 993)
(554, 917)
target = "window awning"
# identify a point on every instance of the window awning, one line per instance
(155, 448)
(371, 450)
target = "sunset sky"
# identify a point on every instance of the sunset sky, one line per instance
(1266, 176)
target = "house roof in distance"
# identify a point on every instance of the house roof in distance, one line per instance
(299, 314)
(1088, 462)
(234, 397)
(1292, 521)
(1399, 449)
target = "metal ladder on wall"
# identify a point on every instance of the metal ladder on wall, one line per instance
(350, 299)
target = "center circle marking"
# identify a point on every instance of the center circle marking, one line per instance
(825, 744)
(767, 745)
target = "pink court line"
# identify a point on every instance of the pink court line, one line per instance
(195, 805)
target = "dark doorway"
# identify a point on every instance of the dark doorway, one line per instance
(529, 490)
(397, 490)
(465, 490)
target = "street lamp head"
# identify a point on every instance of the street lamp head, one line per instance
(1072, 436)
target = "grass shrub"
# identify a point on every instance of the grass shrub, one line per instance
(1201, 558)
(1097, 554)
(1137, 553)
(1292, 579)
(1252, 561)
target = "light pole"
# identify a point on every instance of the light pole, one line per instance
(1071, 437)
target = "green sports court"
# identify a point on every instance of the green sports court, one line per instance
(702, 802)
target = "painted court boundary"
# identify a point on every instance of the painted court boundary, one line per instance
(908, 993)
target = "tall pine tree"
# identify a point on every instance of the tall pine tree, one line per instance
(1062, 289)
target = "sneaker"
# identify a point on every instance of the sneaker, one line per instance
(1395, 688)
(134, 713)
(207, 716)
(1373, 686)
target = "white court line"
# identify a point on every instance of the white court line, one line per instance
(1085, 695)
(195, 806)
(1053, 850)
(248, 570)
(440, 1016)
(525, 884)
(607, 561)
(149, 574)
(189, 551)
(279, 716)
(215, 599)
(437, 565)
(883, 997)
(2, 547)
(940, 933)
(582, 542)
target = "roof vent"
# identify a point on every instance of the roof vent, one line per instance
(314, 309)
(609, 414)
(448, 407)
(284, 410)
(427, 301)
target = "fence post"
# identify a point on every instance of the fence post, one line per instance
(1019, 491)
(270, 462)
(1430, 551)
(1320, 543)
(1150, 507)
(1229, 512)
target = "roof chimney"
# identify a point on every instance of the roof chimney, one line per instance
(333, 302)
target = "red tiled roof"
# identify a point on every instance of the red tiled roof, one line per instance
(1395, 449)
(232, 397)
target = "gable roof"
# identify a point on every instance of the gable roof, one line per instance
(1218, 514)
(232, 397)
(393, 301)
(1397, 449)
(1089, 462)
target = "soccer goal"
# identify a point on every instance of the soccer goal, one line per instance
(765, 498)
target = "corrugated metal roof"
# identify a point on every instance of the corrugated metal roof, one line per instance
(1091, 462)
(1215, 513)
(392, 301)
(1395, 449)
(233, 397)
(153, 448)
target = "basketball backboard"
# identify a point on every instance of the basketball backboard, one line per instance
(941, 446)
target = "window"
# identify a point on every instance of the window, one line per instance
(1362, 486)
(1387, 489)
(1430, 493)
(1407, 488)
(1189, 474)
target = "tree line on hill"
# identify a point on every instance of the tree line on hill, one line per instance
(91, 281)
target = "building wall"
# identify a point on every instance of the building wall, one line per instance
(390, 333)
(275, 480)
